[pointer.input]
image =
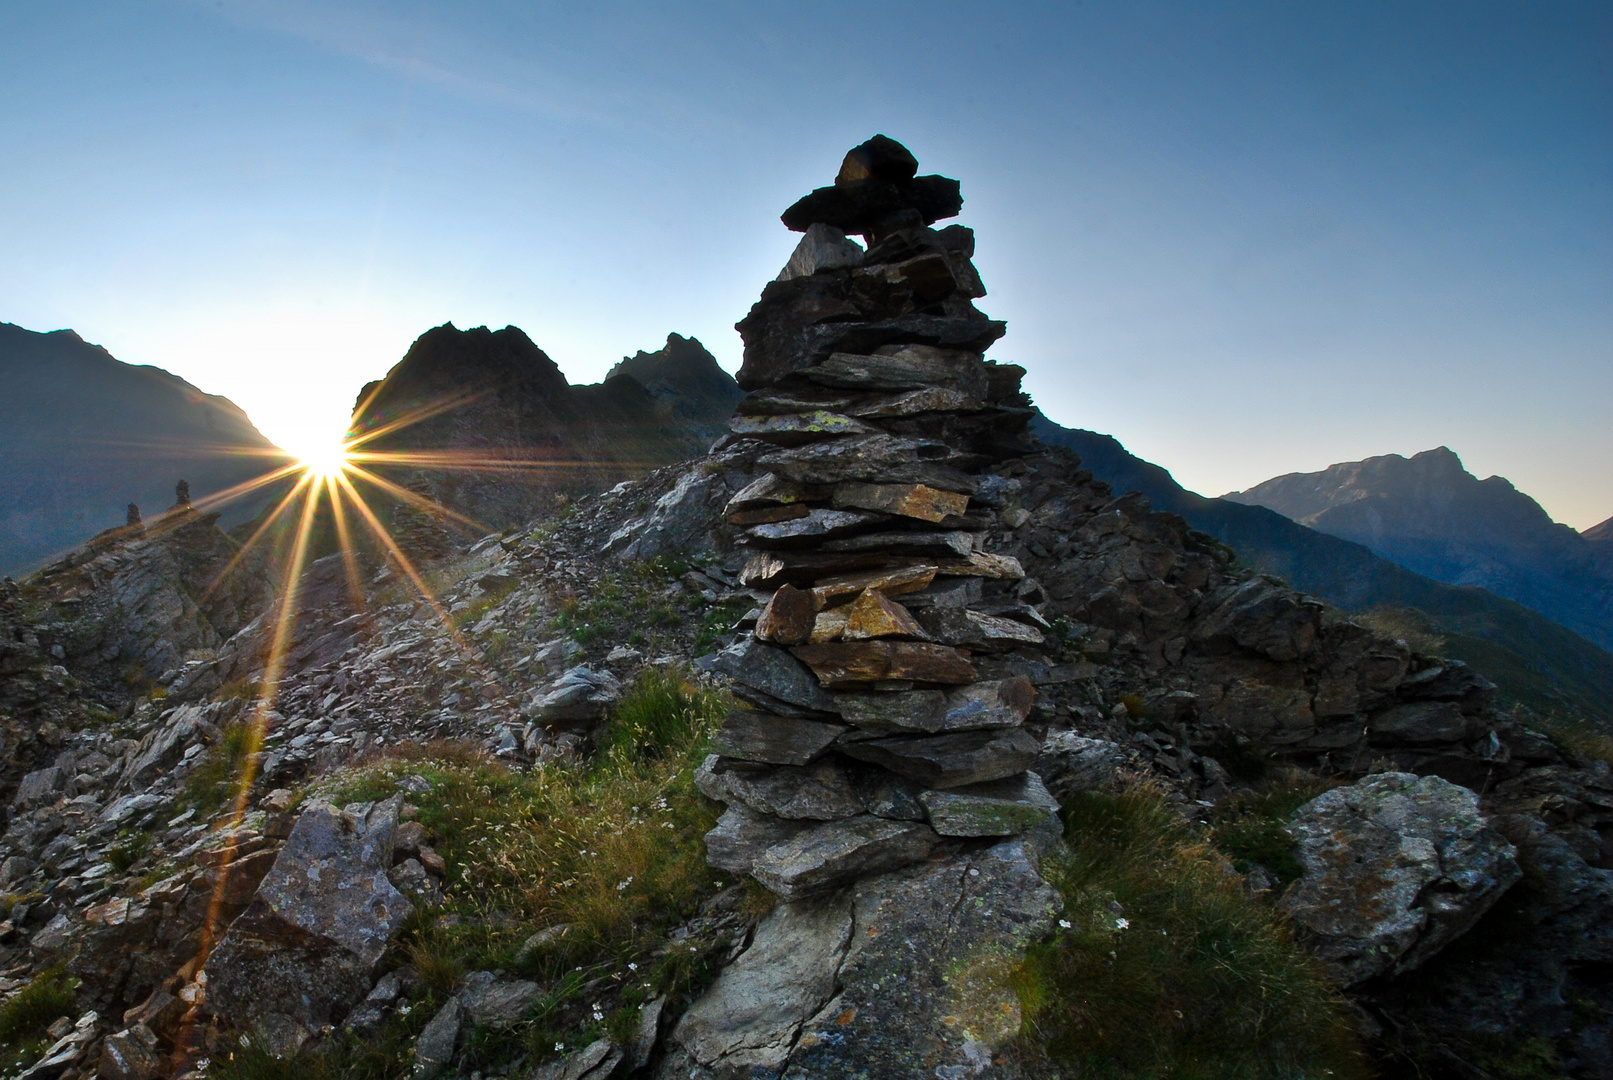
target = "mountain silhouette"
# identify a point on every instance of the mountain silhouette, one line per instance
(83, 435)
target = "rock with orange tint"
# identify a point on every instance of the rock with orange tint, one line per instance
(788, 617)
(871, 615)
(909, 500)
(861, 662)
(893, 582)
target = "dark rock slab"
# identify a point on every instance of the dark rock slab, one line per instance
(998, 703)
(817, 792)
(927, 983)
(871, 458)
(784, 335)
(905, 367)
(770, 671)
(776, 740)
(941, 545)
(1069, 763)
(1420, 722)
(772, 490)
(1009, 807)
(948, 761)
(1396, 868)
(829, 855)
(798, 429)
(871, 205)
(747, 1022)
(810, 529)
(742, 836)
(976, 630)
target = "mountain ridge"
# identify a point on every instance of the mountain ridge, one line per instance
(1430, 515)
(66, 403)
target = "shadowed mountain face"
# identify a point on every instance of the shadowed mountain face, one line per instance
(1431, 515)
(501, 432)
(82, 435)
(1600, 534)
(1532, 658)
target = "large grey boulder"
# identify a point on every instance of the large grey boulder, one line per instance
(750, 1017)
(1396, 867)
(909, 976)
(307, 945)
(580, 693)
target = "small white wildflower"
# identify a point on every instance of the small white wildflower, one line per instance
(559, 1046)
(1121, 924)
(620, 885)
(1065, 924)
(632, 967)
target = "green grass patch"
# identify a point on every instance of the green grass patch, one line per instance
(718, 621)
(1250, 829)
(217, 778)
(613, 849)
(1166, 968)
(25, 1016)
(130, 848)
(628, 605)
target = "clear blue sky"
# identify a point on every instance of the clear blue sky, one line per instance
(1246, 239)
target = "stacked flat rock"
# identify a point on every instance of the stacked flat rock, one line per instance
(869, 735)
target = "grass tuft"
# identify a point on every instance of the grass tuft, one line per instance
(31, 1010)
(1250, 829)
(216, 778)
(1167, 968)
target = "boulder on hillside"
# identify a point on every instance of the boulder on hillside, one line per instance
(908, 976)
(307, 946)
(1396, 867)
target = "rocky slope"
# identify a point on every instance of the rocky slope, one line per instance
(488, 425)
(1532, 658)
(1431, 515)
(83, 435)
(349, 902)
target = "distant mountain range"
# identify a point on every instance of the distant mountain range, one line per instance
(496, 432)
(1431, 515)
(82, 435)
(1535, 659)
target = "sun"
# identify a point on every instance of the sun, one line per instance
(326, 460)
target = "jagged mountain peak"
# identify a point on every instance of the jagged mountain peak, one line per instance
(1600, 534)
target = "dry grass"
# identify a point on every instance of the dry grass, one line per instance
(1166, 968)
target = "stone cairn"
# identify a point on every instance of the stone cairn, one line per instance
(883, 719)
